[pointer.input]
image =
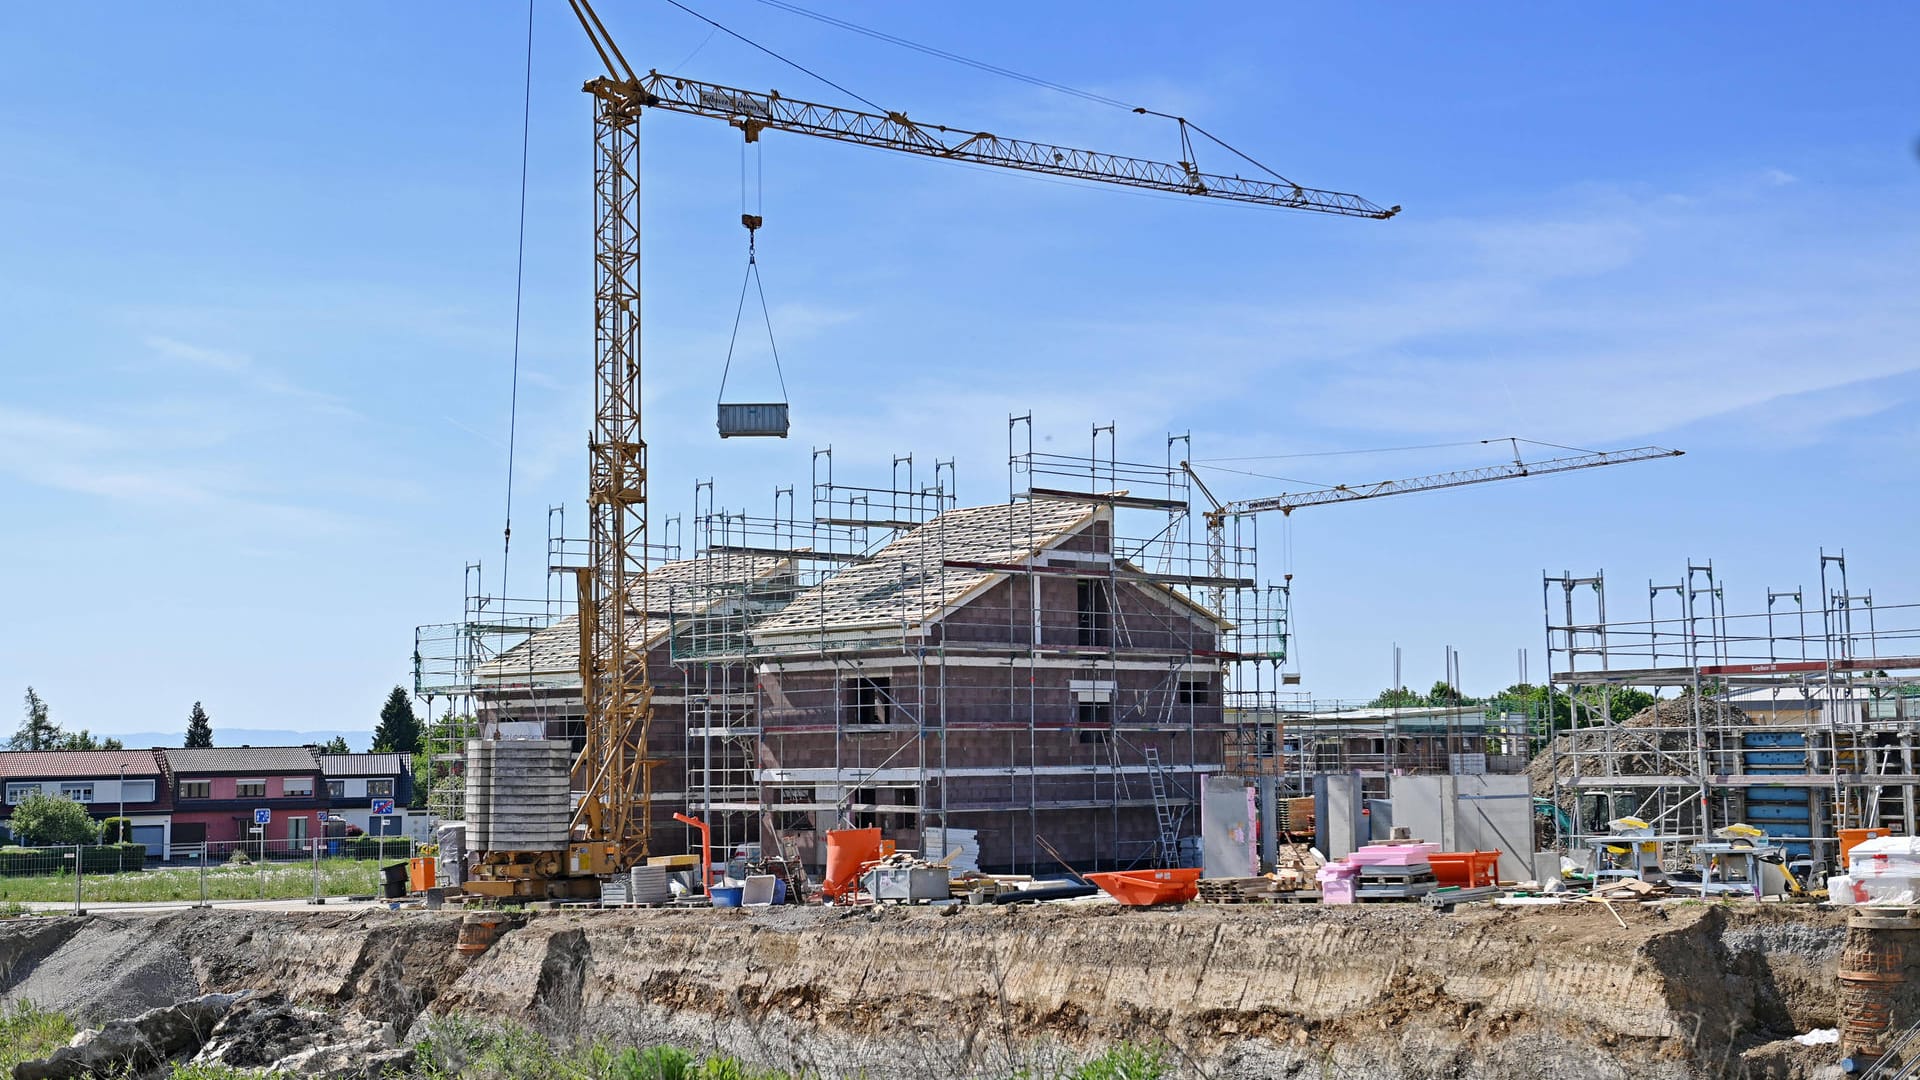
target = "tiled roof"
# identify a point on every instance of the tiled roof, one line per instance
(907, 582)
(364, 764)
(89, 764)
(242, 759)
(682, 587)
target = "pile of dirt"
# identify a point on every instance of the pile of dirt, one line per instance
(1656, 741)
(101, 971)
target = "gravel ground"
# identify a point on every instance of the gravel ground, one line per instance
(106, 971)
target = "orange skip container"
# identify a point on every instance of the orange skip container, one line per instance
(1144, 888)
(1465, 869)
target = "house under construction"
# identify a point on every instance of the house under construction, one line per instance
(1798, 717)
(1061, 668)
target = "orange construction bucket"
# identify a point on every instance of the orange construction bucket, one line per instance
(1849, 838)
(847, 851)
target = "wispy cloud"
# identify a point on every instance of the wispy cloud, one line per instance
(243, 368)
(126, 466)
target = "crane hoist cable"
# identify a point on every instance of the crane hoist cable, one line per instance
(752, 221)
(519, 284)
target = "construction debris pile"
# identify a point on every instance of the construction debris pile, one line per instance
(1640, 743)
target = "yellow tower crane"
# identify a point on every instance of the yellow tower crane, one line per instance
(615, 815)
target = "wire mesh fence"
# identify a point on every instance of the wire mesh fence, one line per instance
(204, 873)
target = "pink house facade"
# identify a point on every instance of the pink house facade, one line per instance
(276, 795)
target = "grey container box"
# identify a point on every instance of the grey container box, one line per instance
(910, 883)
(753, 420)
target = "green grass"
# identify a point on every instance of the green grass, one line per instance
(272, 881)
(1125, 1062)
(458, 1048)
(27, 1033)
(190, 1071)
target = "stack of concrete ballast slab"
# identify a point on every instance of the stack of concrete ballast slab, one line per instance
(648, 885)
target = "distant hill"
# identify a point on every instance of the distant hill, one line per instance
(225, 736)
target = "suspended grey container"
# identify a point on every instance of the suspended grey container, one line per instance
(759, 420)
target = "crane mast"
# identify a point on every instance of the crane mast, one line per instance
(615, 814)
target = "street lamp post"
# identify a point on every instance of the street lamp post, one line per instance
(120, 836)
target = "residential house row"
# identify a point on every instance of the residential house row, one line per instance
(181, 799)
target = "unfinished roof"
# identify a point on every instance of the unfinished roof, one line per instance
(77, 764)
(908, 582)
(364, 764)
(682, 587)
(242, 759)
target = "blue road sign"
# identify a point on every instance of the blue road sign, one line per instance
(383, 806)
(262, 816)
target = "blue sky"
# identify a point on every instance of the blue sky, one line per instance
(257, 279)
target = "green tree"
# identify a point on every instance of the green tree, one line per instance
(336, 745)
(86, 740)
(1398, 698)
(52, 819)
(199, 729)
(37, 731)
(1591, 704)
(422, 780)
(1627, 701)
(1444, 694)
(116, 830)
(399, 730)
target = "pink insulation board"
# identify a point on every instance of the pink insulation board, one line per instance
(1392, 854)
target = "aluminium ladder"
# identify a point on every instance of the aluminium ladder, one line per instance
(1169, 844)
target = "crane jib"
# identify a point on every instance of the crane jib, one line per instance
(754, 112)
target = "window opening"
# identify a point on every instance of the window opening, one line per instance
(1095, 613)
(872, 699)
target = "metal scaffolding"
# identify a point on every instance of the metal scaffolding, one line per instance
(1066, 665)
(1797, 717)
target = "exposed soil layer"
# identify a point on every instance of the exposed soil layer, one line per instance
(1281, 991)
